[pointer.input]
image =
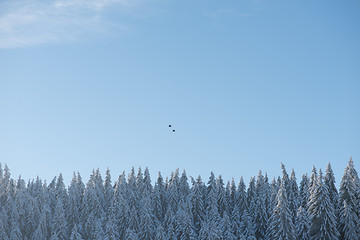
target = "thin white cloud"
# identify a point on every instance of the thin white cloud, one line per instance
(33, 22)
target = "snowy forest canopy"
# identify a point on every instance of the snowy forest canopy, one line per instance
(131, 208)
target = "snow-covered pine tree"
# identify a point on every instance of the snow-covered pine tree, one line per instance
(247, 226)
(241, 200)
(73, 204)
(227, 231)
(251, 197)
(260, 214)
(208, 232)
(211, 186)
(59, 226)
(233, 195)
(235, 220)
(159, 199)
(268, 192)
(312, 183)
(184, 188)
(111, 230)
(321, 212)
(108, 191)
(348, 197)
(302, 224)
(222, 204)
(173, 195)
(123, 215)
(60, 190)
(3, 224)
(140, 182)
(329, 180)
(229, 208)
(147, 182)
(169, 222)
(348, 220)
(212, 213)
(293, 195)
(197, 204)
(184, 222)
(274, 189)
(147, 224)
(281, 226)
(304, 191)
(14, 231)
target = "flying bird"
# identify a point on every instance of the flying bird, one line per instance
(170, 125)
(173, 130)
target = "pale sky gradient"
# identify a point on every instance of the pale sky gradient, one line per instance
(247, 85)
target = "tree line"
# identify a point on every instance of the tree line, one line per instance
(181, 208)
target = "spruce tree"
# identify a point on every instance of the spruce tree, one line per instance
(321, 212)
(304, 191)
(260, 209)
(302, 224)
(349, 198)
(197, 204)
(59, 226)
(247, 226)
(281, 226)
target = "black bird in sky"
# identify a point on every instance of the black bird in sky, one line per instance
(173, 130)
(170, 125)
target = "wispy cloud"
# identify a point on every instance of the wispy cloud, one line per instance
(33, 22)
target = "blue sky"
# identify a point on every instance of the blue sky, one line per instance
(246, 84)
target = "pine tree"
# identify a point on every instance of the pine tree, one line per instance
(59, 228)
(111, 232)
(329, 180)
(304, 191)
(321, 212)
(3, 222)
(251, 196)
(212, 216)
(293, 196)
(348, 220)
(108, 190)
(247, 226)
(147, 183)
(123, 215)
(235, 221)
(260, 208)
(73, 204)
(41, 232)
(147, 225)
(197, 204)
(227, 231)
(222, 204)
(184, 189)
(242, 197)
(348, 197)
(280, 224)
(173, 191)
(184, 222)
(159, 199)
(302, 224)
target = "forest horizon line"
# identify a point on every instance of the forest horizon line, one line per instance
(133, 208)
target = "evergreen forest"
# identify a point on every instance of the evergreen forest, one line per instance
(182, 207)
